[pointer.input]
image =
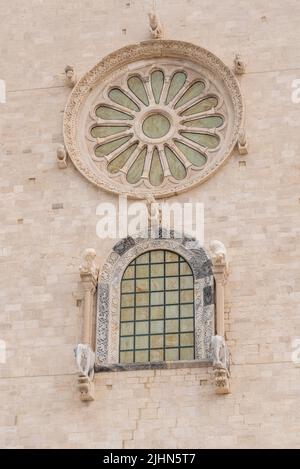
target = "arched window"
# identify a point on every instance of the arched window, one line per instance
(157, 309)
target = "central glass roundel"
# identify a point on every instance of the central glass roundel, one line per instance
(156, 126)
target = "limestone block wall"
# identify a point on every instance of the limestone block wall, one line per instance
(48, 217)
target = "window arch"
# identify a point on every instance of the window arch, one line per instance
(109, 295)
(157, 321)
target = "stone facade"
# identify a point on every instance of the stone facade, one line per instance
(48, 218)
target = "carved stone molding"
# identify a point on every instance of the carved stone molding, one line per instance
(84, 354)
(108, 308)
(141, 59)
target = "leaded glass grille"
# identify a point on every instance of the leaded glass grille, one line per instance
(157, 309)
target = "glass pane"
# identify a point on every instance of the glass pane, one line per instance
(127, 300)
(157, 327)
(172, 283)
(185, 269)
(187, 282)
(142, 313)
(172, 297)
(142, 271)
(127, 286)
(143, 259)
(211, 122)
(136, 85)
(203, 106)
(187, 296)
(187, 339)
(142, 299)
(157, 298)
(156, 355)
(141, 341)
(205, 140)
(186, 354)
(177, 168)
(177, 82)
(127, 314)
(172, 340)
(157, 312)
(142, 327)
(117, 163)
(119, 97)
(156, 176)
(157, 83)
(107, 148)
(193, 91)
(172, 354)
(136, 169)
(157, 270)
(172, 269)
(186, 311)
(171, 256)
(157, 284)
(129, 272)
(194, 156)
(156, 341)
(127, 328)
(142, 356)
(108, 113)
(126, 343)
(102, 131)
(156, 126)
(157, 256)
(126, 357)
(172, 311)
(172, 325)
(186, 325)
(142, 285)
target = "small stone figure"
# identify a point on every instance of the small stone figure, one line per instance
(218, 252)
(156, 27)
(220, 352)
(89, 266)
(242, 143)
(239, 65)
(85, 360)
(154, 212)
(61, 155)
(70, 76)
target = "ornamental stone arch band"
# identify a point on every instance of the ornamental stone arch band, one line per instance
(108, 296)
(156, 118)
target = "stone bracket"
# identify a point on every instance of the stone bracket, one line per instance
(86, 388)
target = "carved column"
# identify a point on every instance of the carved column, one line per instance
(85, 356)
(221, 358)
(220, 272)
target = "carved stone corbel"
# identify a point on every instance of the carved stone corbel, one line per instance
(220, 353)
(84, 354)
(71, 76)
(62, 156)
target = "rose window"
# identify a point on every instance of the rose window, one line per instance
(155, 125)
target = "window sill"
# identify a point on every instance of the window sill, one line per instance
(152, 366)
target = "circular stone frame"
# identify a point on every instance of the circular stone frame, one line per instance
(149, 50)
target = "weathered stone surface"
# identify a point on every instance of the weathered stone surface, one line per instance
(251, 205)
